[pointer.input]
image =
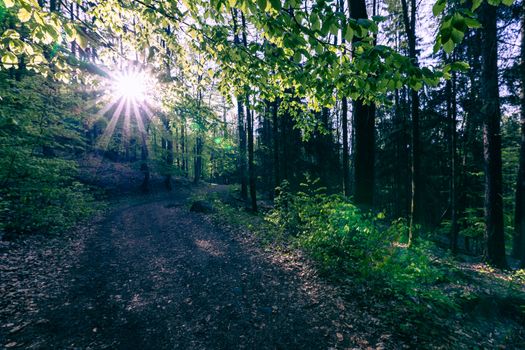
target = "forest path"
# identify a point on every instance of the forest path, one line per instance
(155, 276)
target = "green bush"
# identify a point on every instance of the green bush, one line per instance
(345, 241)
(39, 191)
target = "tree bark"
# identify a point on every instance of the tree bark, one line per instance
(275, 134)
(519, 214)
(251, 161)
(452, 117)
(364, 126)
(249, 120)
(490, 110)
(240, 124)
(346, 155)
(416, 193)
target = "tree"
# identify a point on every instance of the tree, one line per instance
(249, 119)
(240, 122)
(490, 110)
(519, 214)
(415, 205)
(364, 126)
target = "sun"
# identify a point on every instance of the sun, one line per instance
(130, 99)
(130, 85)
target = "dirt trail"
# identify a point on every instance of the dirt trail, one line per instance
(155, 276)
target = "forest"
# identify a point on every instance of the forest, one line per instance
(262, 174)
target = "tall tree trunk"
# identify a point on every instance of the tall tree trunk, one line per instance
(199, 141)
(183, 147)
(416, 194)
(144, 167)
(240, 124)
(197, 169)
(494, 234)
(249, 119)
(169, 161)
(519, 215)
(251, 162)
(364, 126)
(346, 155)
(275, 136)
(452, 118)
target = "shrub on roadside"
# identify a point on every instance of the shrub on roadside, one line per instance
(346, 241)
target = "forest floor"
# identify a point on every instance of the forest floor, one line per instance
(150, 274)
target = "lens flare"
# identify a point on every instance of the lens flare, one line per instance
(129, 93)
(131, 86)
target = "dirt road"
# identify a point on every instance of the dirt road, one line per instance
(156, 276)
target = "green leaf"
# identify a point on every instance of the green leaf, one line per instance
(11, 34)
(438, 7)
(472, 22)
(9, 60)
(476, 4)
(448, 46)
(349, 34)
(262, 4)
(81, 40)
(507, 2)
(460, 66)
(24, 15)
(457, 35)
(16, 46)
(437, 46)
(297, 57)
(315, 22)
(276, 4)
(9, 3)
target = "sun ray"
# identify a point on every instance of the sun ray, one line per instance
(127, 126)
(138, 117)
(110, 129)
(140, 124)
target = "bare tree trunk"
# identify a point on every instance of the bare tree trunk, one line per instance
(240, 124)
(416, 194)
(144, 167)
(519, 214)
(169, 161)
(251, 162)
(452, 117)
(346, 155)
(249, 119)
(275, 134)
(183, 149)
(364, 125)
(494, 232)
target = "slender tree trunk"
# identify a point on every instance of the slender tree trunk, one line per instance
(251, 162)
(240, 124)
(346, 155)
(519, 215)
(183, 148)
(249, 119)
(494, 234)
(197, 174)
(144, 167)
(364, 125)
(344, 127)
(416, 193)
(452, 117)
(275, 134)
(169, 163)
(199, 142)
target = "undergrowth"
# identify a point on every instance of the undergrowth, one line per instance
(421, 298)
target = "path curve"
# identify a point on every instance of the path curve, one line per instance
(155, 276)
